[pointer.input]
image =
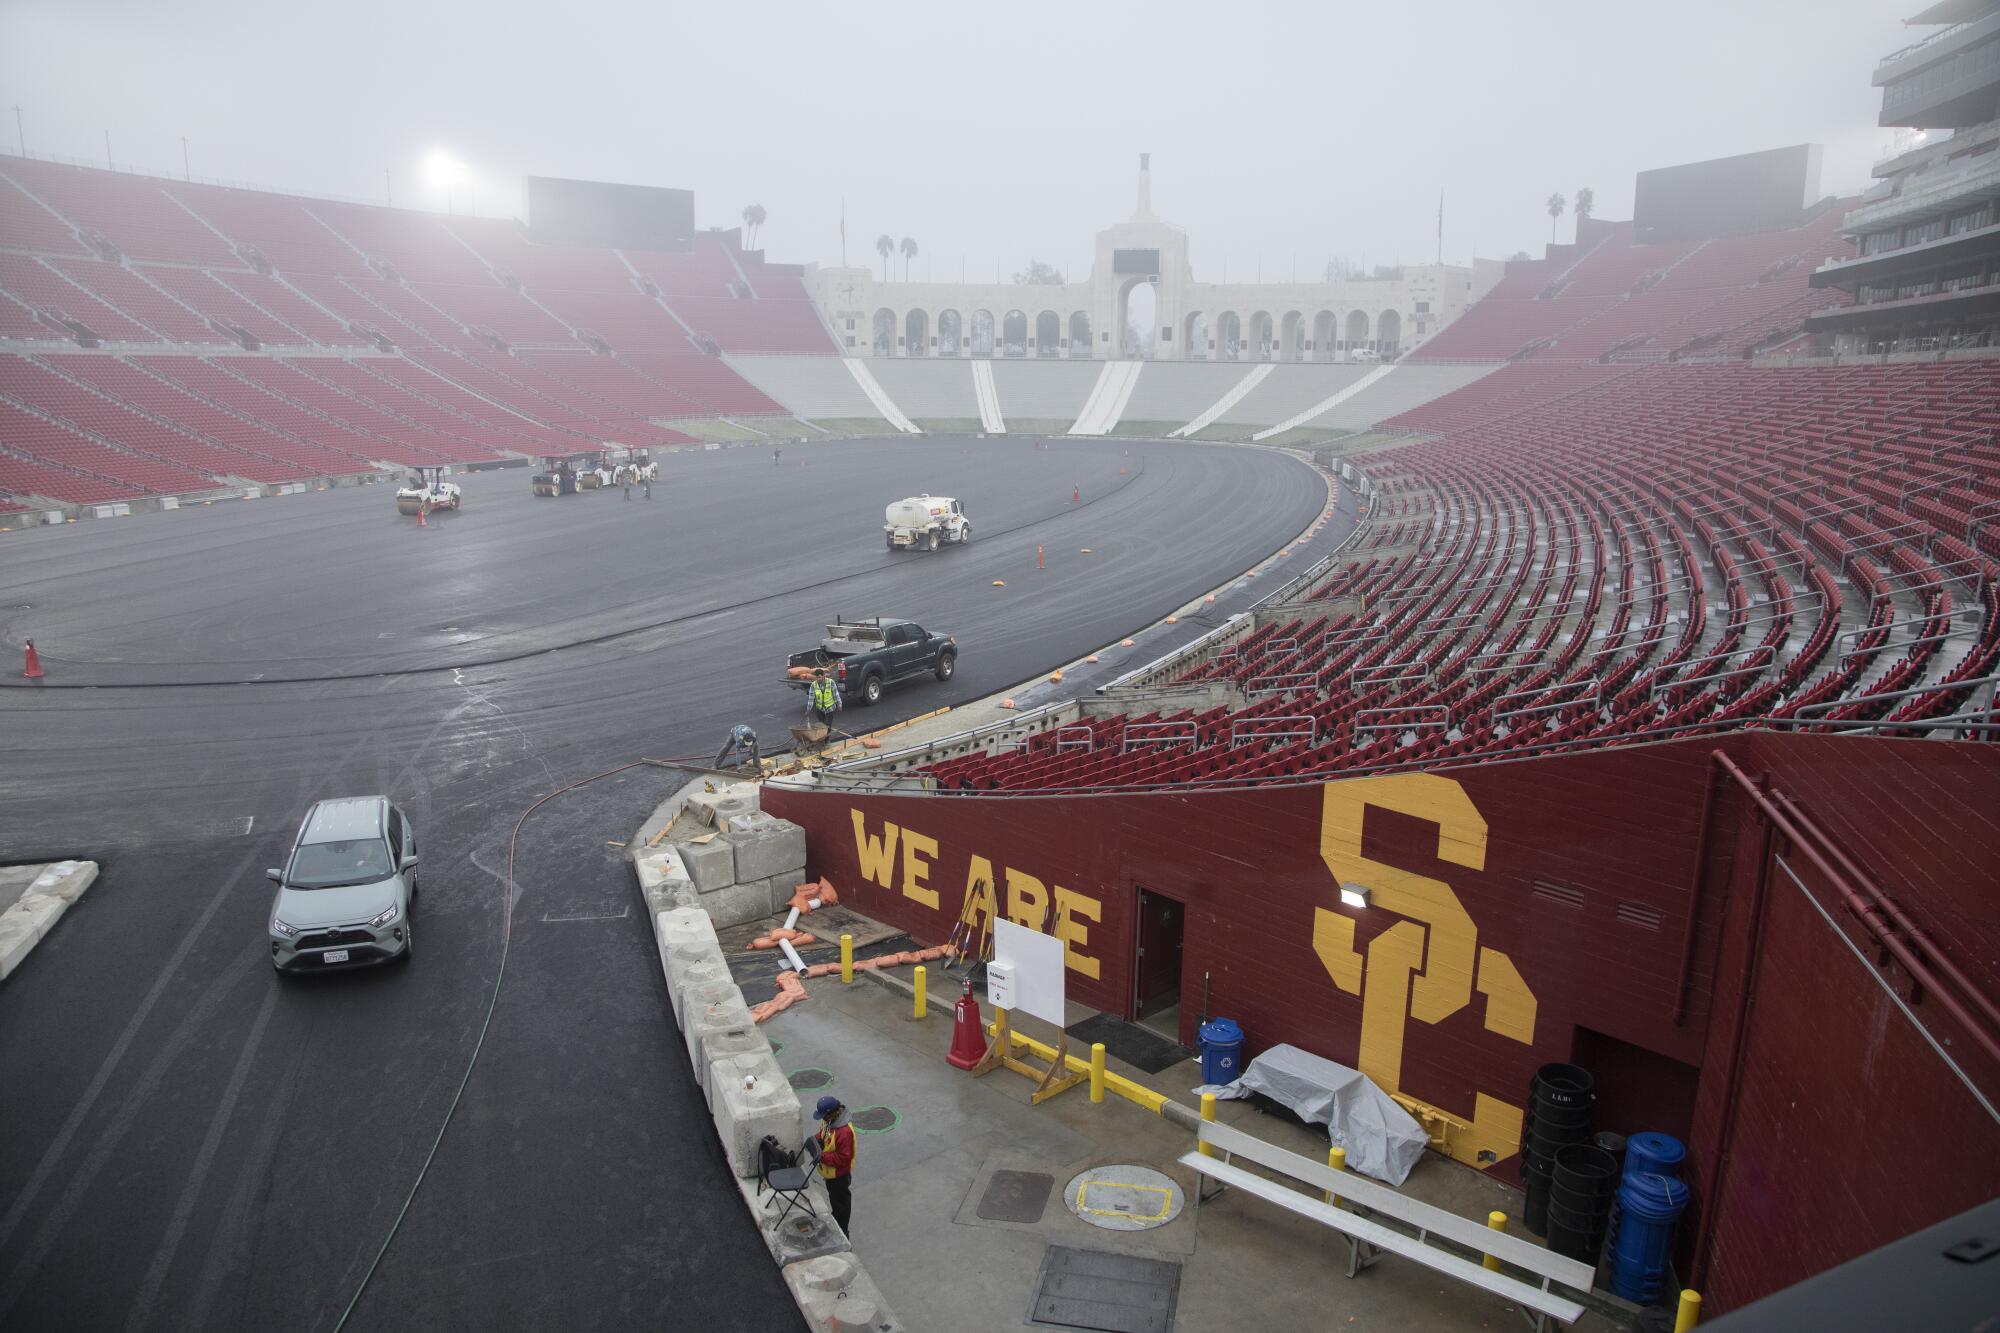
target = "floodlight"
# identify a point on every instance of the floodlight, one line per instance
(1354, 895)
(443, 170)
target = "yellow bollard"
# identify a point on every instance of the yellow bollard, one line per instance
(1096, 1072)
(1336, 1158)
(1498, 1221)
(1207, 1113)
(923, 989)
(1689, 1313)
(847, 960)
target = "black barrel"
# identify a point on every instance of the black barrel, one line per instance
(1580, 1192)
(1563, 1085)
(1535, 1208)
(1559, 1109)
(1560, 1098)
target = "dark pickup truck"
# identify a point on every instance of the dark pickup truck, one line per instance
(868, 656)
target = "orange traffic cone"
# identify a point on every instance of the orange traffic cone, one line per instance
(968, 1033)
(1076, 495)
(422, 509)
(34, 671)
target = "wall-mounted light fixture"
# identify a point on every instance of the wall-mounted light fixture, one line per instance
(1354, 895)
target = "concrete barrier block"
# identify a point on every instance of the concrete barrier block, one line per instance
(727, 1043)
(750, 1098)
(835, 1293)
(709, 1006)
(689, 964)
(714, 808)
(711, 865)
(687, 925)
(664, 879)
(766, 847)
(802, 1235)
(66, 880)
(704, 972)
(17, 938)
(737, 903)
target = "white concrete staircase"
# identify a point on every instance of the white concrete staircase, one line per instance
(1325, 404)
(988, 395)
(1108, 397)
(1256, 376)
(877, 395)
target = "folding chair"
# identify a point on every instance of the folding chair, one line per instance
(787, 1179)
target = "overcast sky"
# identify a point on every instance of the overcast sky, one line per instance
(1281, 134)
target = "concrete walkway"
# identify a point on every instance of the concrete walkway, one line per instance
(920, 1186)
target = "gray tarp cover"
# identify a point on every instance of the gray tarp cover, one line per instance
(1381, 1138)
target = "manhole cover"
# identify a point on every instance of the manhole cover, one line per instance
(1124, 1198)
(805, 1080)
(1114, 1293)
(1016, 1196)
(874, 1119)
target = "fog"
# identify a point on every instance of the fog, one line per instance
(1281, 135)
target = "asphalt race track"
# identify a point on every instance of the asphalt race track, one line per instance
(191, 1142)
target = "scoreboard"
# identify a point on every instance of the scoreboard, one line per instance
(599, 213)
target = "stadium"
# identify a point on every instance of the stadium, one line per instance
(1469, 675)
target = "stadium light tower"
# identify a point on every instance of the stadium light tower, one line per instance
(444, 171)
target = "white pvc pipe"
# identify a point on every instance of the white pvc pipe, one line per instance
(792, 956)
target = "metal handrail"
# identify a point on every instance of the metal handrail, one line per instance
(1240, 733)
(1404, 671)
(1281, 683)
(1159, 733)
(1418, 594)
(1898, 934)
(1657, 688)
(1810, 710)
(1173, 657)
(1442, 718)
(1887, 539)
(1911, 489)
(1955, 632)
(840, 776)
(1594, 699)
(1067, 739)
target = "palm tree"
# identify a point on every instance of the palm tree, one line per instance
(909, 248)
(1556, 203)
(885, 245)
(753, 218)
(1586, 200)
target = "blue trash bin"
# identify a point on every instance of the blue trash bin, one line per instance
(1221, 1051)
(1649, 1204)
(1650, 1150)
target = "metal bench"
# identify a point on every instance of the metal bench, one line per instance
(1538, 1303)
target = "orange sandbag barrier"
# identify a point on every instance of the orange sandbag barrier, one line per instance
(884, 960)
(790, 991)
(802, 896)
(770, 941)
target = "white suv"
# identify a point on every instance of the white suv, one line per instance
(345, 897)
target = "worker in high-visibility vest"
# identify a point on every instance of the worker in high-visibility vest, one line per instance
(836, 1159)
(822, 699)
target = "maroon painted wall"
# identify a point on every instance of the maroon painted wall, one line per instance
(1587, 883)
(1847, 1130)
